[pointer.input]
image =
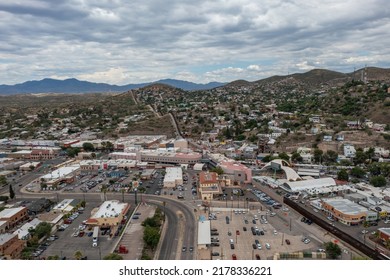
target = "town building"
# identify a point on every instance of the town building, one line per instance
(65, 206)
(204, 237)
(238, 172)
(170, 157)
(173, 177)
(384, 234)
(63, 174)
(349, 151)
(23, 232)
(347, 212)
(209, 185)
(13, 216)
(10, 246)
(43, 154)
(306, 185)
(109, 214)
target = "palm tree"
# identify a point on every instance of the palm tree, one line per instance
(78, 255)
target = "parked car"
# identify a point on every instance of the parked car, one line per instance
(234, 257)
(258, 257)
(288, 242)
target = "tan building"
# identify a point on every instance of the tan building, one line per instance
(13, 216)
(173, 177)
(346, 211)
(3, 225)
(109, 214)
(209, 185)
(41, 154)
(10, 246)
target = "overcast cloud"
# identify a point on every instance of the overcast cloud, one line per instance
(120, 42)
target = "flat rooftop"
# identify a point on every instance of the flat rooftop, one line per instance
(109, 209)
(5, 237)
(61, 172)
(346, 206)
(204, 236)
(8, 213)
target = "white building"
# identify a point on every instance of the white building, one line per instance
(173, 177)
(349, 151)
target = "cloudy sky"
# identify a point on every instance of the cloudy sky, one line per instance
(132, 41)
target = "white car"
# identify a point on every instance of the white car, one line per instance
(275, 232)
(387, 221)
(364, 231)
(307, 241)
(268, 246)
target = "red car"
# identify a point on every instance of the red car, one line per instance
(237, 232)
(234, 257)
(258, 257)
(288, 242)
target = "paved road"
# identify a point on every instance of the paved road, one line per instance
(169, 248)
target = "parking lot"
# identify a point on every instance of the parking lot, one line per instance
(69, 240)
(275, 231)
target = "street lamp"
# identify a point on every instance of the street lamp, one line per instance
(135, 196)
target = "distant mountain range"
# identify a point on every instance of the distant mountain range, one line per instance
(319, 76)
(77, 86)
(312, 77)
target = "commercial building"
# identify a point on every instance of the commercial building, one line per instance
(65, 206)
(3, 225)
(204, 236)
(43, 154)
(209, 185)
(29, 166)
(173, 177)
(305, 185)
(123, 155)
(238, 172)
(384, 234)
(109, 214)
(62, 174)
(170, 157)
(13, 216)
(23, 233)
(10, 246)
(347, 212)
(281, 169)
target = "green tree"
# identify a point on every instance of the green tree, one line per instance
(78, 255)
(11, 192)
(3, 180)
(333, 250)
(342, 175)
(296, 157)
(358, 172)
(284, 156)
(113, 256)
(318, 155)
(217, 170)
(42, 229)
(72, 152)
(267, 158)
(370, 153)
(88, 147)
(330, 156)
(151, 236)
(360, 157)
(378, 181)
